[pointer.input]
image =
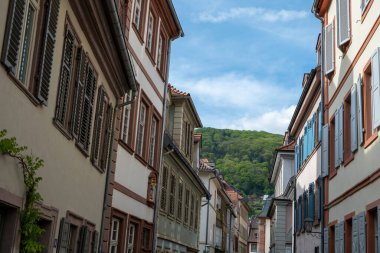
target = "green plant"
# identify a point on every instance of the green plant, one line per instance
(30, 214)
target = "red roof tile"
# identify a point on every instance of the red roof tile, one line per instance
(175, 92)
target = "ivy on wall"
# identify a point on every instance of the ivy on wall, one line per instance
(30, 231)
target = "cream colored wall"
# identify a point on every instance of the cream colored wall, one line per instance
(365, 160)
(70, 182)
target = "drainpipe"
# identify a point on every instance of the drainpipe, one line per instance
(322, 200)
(295, 217)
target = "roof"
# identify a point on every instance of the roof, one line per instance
(175, 92)
(266, 206)
(288, 147)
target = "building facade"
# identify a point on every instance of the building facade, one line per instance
(351, 71)
(253, 236)
(180, 188)
(61, 88)
(281, 206)
(149, 27)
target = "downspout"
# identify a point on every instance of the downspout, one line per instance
(158, 190)
(127, 66)
(295, 216)
(322, 182)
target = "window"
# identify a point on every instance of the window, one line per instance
(343, 19)
(160, 52)
(363, 5)
(172, 194)
(187, 203)
(347, 127)
(367, 101)
(73, 113)
(102, 131)
(164, 188)
(126, 120)
(131, 239)
(192, 206)
(152, 146)
(149, 34)
(146, 238)
(152, 184)
(348, 235)
(141, 130)
(373, 230)
(196, 216)
(21, 40)
(329, 49)
(8, 227)
(114, 240)
(253, 247)
(180, 200)
(137, 14)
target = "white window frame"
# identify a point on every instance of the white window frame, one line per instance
(149, 33)
(30, 4)
(159, 51)
(115, 229)
(137, 13)
(141, 129)
(126, 119)
(152, 146)
(131, 237)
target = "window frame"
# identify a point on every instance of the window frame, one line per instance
(151, 52)
(139, 28)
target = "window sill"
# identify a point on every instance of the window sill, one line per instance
(62, 129)
(82, 150)
(126, 146)
(138, 34)
(98, 168)
(344, 48)
(332, 174)
(348, 160)
(371, 139)
(24, 90)
(159, 71)
(150, 56)
(366, 10)
(141, 159)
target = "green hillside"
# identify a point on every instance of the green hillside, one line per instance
(243, 157)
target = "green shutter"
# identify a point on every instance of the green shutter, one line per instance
(47, 52)
(64, 83)
(12, 36)
(64, 236)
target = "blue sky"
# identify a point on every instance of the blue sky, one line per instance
(242, 61)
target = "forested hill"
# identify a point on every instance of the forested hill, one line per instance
(243, 157)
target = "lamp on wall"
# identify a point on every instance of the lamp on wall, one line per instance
(309, 226)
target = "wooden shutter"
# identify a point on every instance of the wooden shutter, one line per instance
(94, 244)
(296, 159)
(329, 49)
(378, 229)
(355, 235)
(341, 237)
(343, 21)
(47, 52)
(12, 36)
(375, 91)
(362, 232)
(320, 113)
(107, 137)
(326, 240)
(64, 83)
(313, 130)
(359, 86)
(79, 90)
(311, 201)
(337, 238)
(340, 136)
(84, 239)
(353, 120)
(98, 126)
(336, 139)
(64, 236)
(325, 150)
(88, 100)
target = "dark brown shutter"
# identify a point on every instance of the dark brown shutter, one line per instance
(47, 52)
(64, 236)
(11, 46)
(107, 138)
(79, 89)
(64, 83)
(88, 100)
(98, 126)
(95, 238)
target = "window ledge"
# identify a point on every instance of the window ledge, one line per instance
(366, 10)
(141, 159)
(138, 34)
(159, 71)
(82, 150)
(24, 90)
(150, 56)
(98, 168)
(62, 129)
(126, 146)
(348, 160)
(371, 139)
(332, 174)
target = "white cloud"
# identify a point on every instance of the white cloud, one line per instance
(254, 13)
(275, 121)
